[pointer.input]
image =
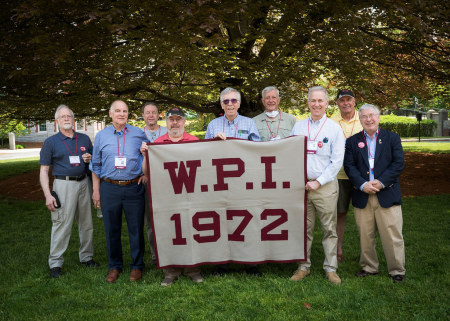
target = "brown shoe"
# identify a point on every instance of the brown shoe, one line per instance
(135, 275)
(333, 277)
(300, 275)
(112, 276)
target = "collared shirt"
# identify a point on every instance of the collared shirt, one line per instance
(151, 136)
(186, 138)
(325, 164)
(241, 127)
(349, 129)
(57, 149)
(371, 148)
(109, 144)
(280, 126)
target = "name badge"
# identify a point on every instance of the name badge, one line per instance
(74, 160)
(120, 162)
(311, 147)
(275, 138)
(371, 163)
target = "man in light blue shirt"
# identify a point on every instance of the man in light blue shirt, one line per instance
(232, 124)
(325, 154)
(117, 166)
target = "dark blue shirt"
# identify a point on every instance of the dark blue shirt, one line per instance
(109, 144)
(57, 149)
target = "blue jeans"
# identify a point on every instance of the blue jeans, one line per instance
(130, 198)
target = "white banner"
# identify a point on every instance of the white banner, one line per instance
(215, 201)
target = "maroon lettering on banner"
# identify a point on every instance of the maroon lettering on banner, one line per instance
(268, 161)
(214, 226)
(283, 218)
(246, 218)
(222, 174)
(179, 239)
(183, 178)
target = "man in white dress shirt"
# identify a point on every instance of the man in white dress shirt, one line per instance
(325, 154)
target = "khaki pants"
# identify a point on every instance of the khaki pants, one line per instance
(323, 203)
(389, 222)
(75, 203)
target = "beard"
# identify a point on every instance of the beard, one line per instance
(66, 126)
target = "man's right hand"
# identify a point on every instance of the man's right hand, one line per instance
(50, 202)
(221, 135)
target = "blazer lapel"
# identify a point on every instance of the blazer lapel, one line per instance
(363, 151)
(380, 146)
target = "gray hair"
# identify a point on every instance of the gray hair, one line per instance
(230, 90)
(150, 103)
(318, 88)
(270, 88)
(61, 107)
(111, 107)
(368, 106)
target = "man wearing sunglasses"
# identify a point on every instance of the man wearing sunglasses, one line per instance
(232, 124)
(273, 124)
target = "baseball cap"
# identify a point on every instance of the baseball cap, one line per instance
(175, 112)
(344, 92)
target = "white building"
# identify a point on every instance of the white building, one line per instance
(39, 132)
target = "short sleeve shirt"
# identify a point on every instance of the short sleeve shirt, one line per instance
(280, 126)
(56, 150)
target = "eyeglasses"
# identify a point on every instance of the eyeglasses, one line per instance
(371, 116)
(227, 101)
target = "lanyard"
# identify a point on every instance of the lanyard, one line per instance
(368, 148)
(354, 121)
(76, 145)
(223, 126)
(318, 132)
(279, 121)
(123, 150)
(159, 132)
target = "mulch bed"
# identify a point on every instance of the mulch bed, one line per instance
(424, 174)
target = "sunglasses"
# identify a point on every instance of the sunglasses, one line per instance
(227, 101)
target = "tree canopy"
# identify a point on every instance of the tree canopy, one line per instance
(88, 53)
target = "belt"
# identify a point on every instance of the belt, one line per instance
(131, 181)
(71, 178)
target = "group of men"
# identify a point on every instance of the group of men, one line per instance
(372, 158)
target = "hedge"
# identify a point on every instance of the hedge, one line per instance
(407, 127)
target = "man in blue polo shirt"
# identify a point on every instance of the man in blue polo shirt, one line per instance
(67, 153)
(118, 184)
(232, 124)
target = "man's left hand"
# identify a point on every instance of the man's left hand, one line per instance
(142, 180)
(86, 157)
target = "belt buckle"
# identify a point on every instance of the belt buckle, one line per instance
(122, 182)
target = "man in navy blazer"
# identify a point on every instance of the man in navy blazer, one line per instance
(373, 162)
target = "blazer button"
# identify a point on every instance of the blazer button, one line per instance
(367, 173)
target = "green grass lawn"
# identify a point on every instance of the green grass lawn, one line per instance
(28, 293)
(426, 147)
(15, 167)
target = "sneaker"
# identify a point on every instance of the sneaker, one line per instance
(91, 264)
(197, 278)
(300, 275)
(398, 278)
(55, 272)
(167, 282)
(333, 278)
